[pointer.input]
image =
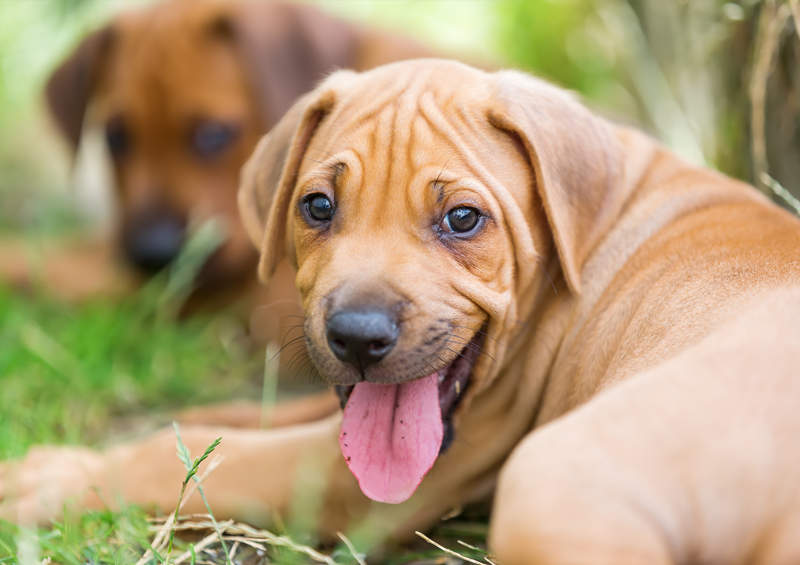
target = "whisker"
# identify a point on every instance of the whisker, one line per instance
(293, 328)
(429, 366)
(287, 344)
(457, 353)
(453, 339)
(481, 332)
(301, 367)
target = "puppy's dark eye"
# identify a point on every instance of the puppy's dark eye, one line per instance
(210, 138)
(318, 207)
(118, 139)
(462, 219)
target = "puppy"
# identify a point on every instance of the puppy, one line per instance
(183, 90)
(515, 296)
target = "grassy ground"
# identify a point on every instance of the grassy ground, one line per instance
(85, 374)
(72, 373)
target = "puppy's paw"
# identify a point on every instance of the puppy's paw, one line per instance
(38, 487)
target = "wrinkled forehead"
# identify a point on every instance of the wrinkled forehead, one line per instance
(407, 121)
(389, 115)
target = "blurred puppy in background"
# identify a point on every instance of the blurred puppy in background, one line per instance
(183, 89)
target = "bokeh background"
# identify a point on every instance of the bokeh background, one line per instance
(716, 81)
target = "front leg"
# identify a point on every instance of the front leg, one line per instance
(258, 475)
(263, 472)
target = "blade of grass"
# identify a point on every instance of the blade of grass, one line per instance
(269, 389)
(450, 551)
(771, 22)
(191, 474)
(199, 546)
(351, 548)
(204, 240)
(781, 192)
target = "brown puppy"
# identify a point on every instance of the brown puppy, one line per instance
(183, 90)
(482, 258)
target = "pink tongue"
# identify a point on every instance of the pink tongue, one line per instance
(391, 435)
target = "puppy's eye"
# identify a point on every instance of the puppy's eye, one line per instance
(318, 207)
(209, 138)
(118, 139)
(462, 219)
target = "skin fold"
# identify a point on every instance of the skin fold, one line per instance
(633, 401)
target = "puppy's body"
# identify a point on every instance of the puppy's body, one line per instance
(601, 258)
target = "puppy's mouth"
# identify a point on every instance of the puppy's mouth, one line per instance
(391, 434)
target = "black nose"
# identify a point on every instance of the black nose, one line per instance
(152, 243)
(362, 337)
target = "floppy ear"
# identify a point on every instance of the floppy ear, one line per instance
(576, 159)
(71, 84)
(269, 176)
(285, 49)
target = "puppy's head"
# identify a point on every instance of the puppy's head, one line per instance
(183, 90)
(417, 202)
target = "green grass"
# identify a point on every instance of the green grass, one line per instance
(105, 370)
(72, 374)
(69, 374)
(95, 537)
(79, 374)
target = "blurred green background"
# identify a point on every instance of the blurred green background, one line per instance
(716, 81)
